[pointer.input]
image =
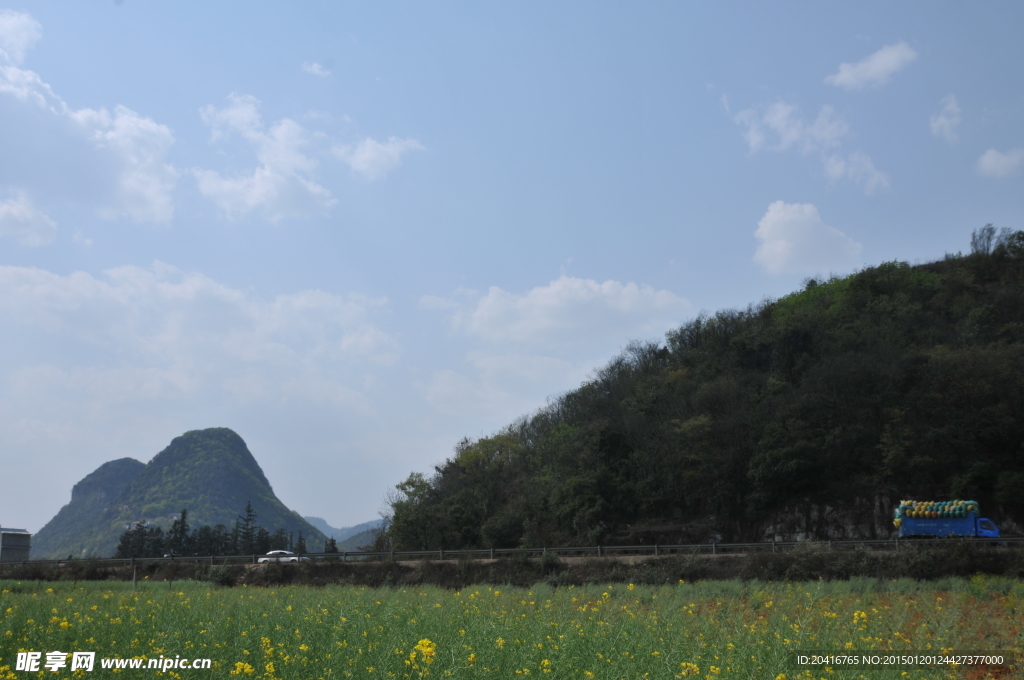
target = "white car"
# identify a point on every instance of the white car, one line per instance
(281, 556)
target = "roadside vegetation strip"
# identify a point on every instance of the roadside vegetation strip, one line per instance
(588, 552)
(709, 629)
(811, 562)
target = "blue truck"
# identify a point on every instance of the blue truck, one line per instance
(944, 518)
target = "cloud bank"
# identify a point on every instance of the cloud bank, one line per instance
(566, 311)
(112, 162)
(541, 340)
(160, 333)
(18, 33)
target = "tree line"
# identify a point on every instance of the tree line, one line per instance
(820, 409)
(245, 537)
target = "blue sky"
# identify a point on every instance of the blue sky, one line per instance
(356, 234)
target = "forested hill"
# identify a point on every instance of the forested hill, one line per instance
(209, 472)
(811, 415)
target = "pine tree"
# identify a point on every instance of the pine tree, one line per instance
(300, 545)
(177, 537)
(247, 530)
(154, 542)
(132, 542)
(262, 540)
(279, 540)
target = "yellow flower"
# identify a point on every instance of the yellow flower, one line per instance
(427, 649)
(687, 669)
(241, 668)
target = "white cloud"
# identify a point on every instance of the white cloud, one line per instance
(794, 240)
(780, 127)
(875, 69)
(524, 347)
(183, 332)
(999, 164)
(145, 181)
(945, 122)
(21, 219)
(29, 87)
(18, 33)
(858, 167)
(315, 69)
(374, 159)
(126, 167)
(567, 311)
(282, 185)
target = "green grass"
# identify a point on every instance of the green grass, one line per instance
(727, 629)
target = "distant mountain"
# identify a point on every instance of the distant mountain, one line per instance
(345, 532)
(357, 541)
(93, 503)
(209, 472)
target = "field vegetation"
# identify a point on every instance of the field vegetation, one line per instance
(710, 629)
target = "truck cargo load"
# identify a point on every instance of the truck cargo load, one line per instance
(943, 518)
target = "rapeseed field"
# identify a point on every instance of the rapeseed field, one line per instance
(713, 630)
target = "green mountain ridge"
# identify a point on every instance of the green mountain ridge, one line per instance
(210, 472)
(809, 416)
